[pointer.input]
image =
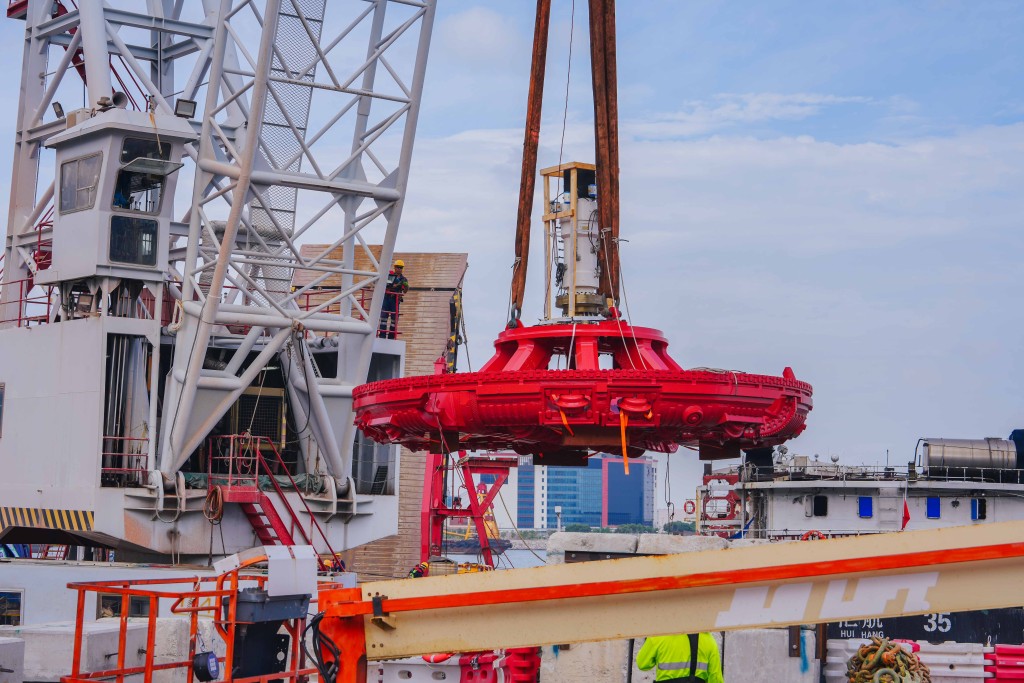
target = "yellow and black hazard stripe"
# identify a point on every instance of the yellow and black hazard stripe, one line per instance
(40, 518)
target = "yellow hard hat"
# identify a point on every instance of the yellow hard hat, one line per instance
(399, 263)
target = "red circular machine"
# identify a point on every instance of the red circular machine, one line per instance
(617, 388)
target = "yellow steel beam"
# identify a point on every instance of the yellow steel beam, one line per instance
(944, 570)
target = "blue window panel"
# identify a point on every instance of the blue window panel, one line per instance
(979, 509)
(933, 508)
(865, 507)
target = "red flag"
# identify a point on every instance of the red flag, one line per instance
(906, 514)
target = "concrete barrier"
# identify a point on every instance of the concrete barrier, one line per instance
(668, 544)
(172, 643)
(763, 655)
(49, 647)
(601, 661)
(413, 670)
(12, 660)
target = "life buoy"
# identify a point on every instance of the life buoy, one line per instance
(813, 534)
(438, 657)
(710, 504)
(690, 507)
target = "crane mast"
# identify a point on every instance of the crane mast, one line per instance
(281, 120)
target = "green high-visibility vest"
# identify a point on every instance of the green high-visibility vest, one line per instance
(671, 656)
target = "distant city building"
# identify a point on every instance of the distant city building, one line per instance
(598, 495)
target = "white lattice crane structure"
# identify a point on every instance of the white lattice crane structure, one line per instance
(180, 350)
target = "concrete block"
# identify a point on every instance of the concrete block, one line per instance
(413, 669)
(585, 662)
(12, 660)
(747, 542)
(668, 544)
(763, 655)
(598, 543)
(172, 645)
(49, 647)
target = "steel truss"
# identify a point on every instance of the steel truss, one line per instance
(278, 84)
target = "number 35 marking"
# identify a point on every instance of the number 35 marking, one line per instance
(938, 622)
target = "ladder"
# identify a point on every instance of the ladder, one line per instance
(259, 509)
(235, 463)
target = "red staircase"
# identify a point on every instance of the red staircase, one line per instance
(261, 513)
(234, 465)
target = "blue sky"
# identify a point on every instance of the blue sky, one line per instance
(834, 186)
(831, 186)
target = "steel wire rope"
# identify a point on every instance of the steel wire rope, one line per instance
(469, 492)
(668, 488)
(568, 82)
(465, 333)
(515, 528)
(618, 320)
(445, 453)
(629, 315)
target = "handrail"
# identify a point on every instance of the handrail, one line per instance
(192, 603)
(250, 481)
(295, 486)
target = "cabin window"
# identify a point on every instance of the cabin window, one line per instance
(144, 148)
(933, 508)
(979, 509)
(78, 181)
(819, 507)
(865, 507)
(10, 607)
(145, 165)
(133, 240)
(109, 605)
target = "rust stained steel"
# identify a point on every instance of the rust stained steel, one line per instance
(527, 180)
(606, 138)
(515, 402)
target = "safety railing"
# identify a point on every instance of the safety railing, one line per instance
(388, 325)
(191, 597)
(34, 304)
(818, 471)
(235, 461)
(124, 459)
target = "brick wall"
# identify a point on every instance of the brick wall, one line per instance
(423, 325)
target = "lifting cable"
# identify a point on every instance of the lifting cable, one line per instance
(527, 179)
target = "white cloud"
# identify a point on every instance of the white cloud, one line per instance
(757, 254)
(728, 110)
(478, 34)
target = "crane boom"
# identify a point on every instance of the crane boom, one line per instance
(944, 570)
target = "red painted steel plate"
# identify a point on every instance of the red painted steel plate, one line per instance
(515, 402)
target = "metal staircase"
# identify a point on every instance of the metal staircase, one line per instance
(235, 465)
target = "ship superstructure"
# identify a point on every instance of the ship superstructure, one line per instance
(950, 482)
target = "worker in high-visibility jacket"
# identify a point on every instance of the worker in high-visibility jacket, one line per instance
(671, 654)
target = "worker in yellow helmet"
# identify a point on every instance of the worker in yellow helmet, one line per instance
(672, 656)
(395, 291)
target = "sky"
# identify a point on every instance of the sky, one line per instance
(830, 186)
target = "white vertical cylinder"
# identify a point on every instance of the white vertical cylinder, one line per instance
(582, 268)
(94, 45)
